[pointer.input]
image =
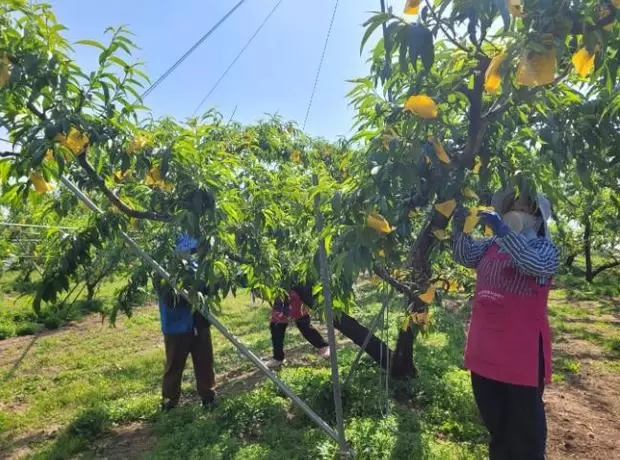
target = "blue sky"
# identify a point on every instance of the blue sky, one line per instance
(275, 74)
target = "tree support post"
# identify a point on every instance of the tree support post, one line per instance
(345, 450)
(371, 331)
(214, 321)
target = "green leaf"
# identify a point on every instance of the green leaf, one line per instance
(91, 43)
(118, 61)
(503, 11)
(404, 63)
(371, 25)
(337, 202)
(421, 44)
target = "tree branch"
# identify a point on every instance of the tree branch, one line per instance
(92, 174)
(477, 125)
(238, 259)
(40, 115)
(9, 154)
(400, 287)
(604, 267)
(451, 38)
(419, 254)
(116, 201)
(580, 26)
(497, 109)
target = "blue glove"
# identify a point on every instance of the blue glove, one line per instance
(493, 220)
(458, 219)
(186, 243)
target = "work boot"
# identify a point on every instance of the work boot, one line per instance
(208, 404)
(275, 363)
(324, 352)
(167, 406)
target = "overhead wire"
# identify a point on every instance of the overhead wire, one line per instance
(193, 48)
(16, 224)
(318, 72)
(2, 139)
(234, 61)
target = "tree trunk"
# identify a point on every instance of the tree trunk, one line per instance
(90, 291)
(570, 259)
(419, 257)
(403, 366)
(587, 247)
(376, 348)
(27, 275)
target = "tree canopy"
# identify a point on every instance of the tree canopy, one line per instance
(463, 97)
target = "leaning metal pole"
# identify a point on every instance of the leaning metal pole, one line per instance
(371, 331)
(329, 318)
(213, 320)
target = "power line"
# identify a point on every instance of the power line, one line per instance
(15, 224)
(167, 73)
(232, 115)
(318, 72)
(234, 61)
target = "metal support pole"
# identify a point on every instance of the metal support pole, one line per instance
(214, 321)
(371, 331)
(329, 318)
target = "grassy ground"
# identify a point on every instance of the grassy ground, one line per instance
(17, 317)
(92, 391)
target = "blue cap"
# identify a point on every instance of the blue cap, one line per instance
(186, 243)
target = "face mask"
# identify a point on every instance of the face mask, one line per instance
(519, 221)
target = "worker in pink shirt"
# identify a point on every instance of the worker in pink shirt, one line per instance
(293, 309)
(508, 347)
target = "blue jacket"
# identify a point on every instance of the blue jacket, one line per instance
(175, 313)
(175, 319)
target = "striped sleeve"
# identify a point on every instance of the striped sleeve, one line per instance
(537, 257)
(467, 251)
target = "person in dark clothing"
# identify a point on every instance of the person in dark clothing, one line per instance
(293, 309)
(185, 332)
(508, 347)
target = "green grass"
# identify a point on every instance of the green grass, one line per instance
(63, 392)
(586, 313)
(87, 379)
(604, 284)
(17, 317)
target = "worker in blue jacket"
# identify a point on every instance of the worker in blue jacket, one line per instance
(185, 332)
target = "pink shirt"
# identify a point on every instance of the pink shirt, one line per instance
(296, 310)
(509, 314)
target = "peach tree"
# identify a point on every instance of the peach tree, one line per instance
(245, 192)
(463, 97)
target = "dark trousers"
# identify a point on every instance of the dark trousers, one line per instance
(178, 346)
(278, 332)
(514, 416)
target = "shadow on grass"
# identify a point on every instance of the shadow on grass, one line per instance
(90, 424)
(609, 343)
(253, 420)
(9, 375)
(610, 305)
